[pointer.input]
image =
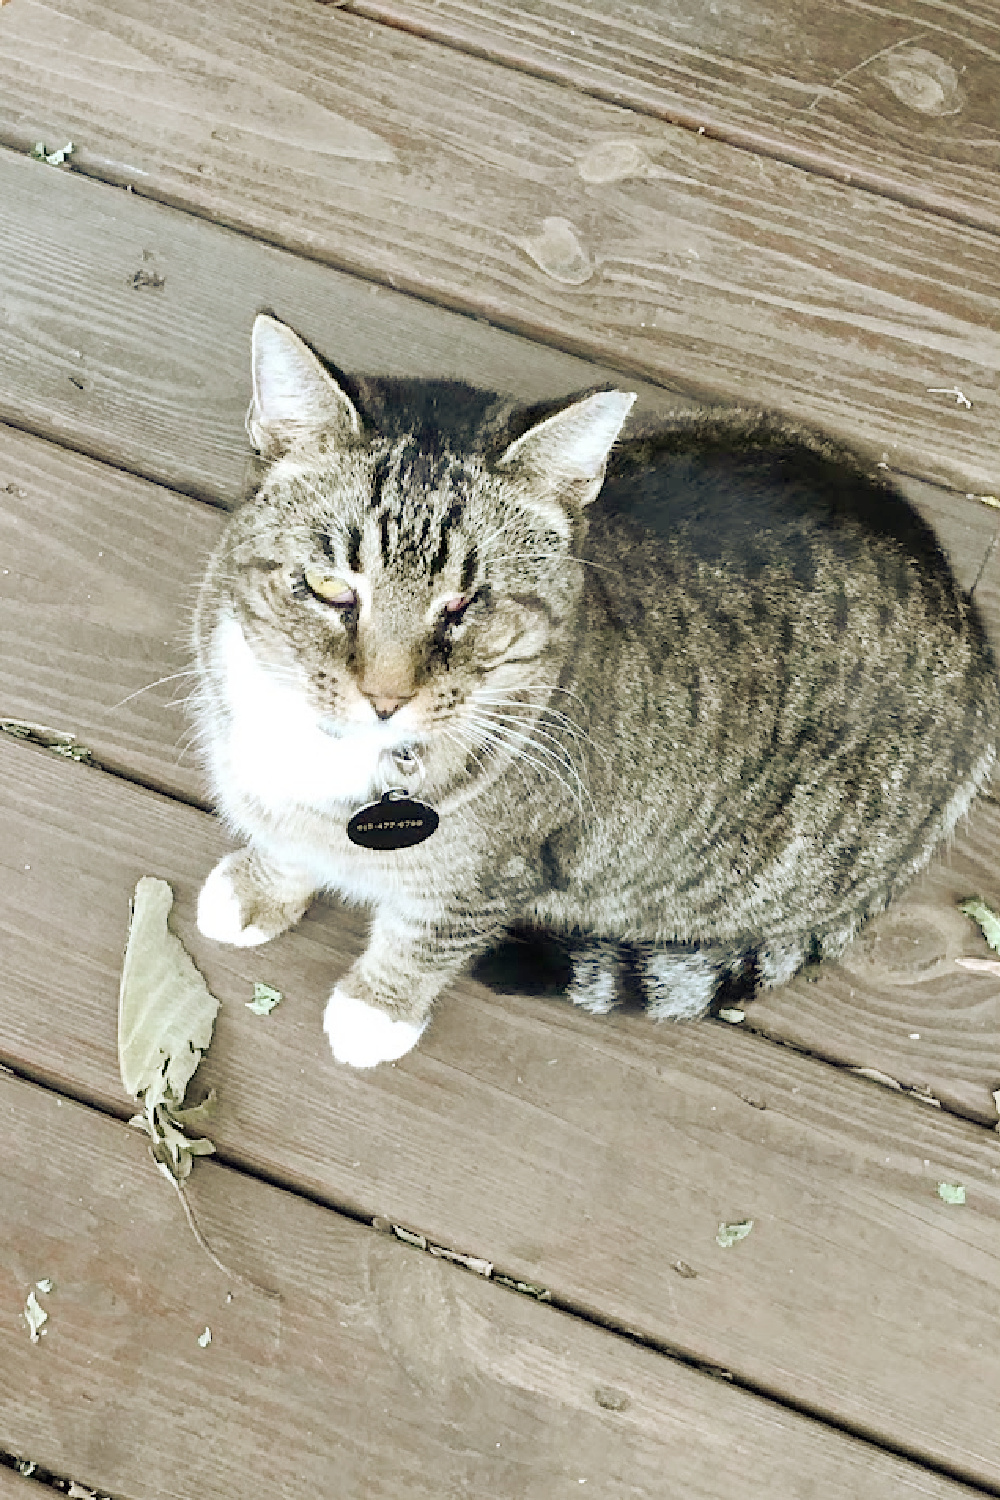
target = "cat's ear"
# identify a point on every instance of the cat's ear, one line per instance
(294, 398)
(566, 455)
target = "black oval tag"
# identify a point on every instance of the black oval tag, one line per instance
(394, 822)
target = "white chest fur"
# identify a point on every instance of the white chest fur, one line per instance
(273, 749)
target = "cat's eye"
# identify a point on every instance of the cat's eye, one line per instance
(329, 588)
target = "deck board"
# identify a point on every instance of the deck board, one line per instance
(382, 1372)
(14, 1486)
(384, 188)
(903, 100)
(587, 1155)
(698, 263)
(157, 379)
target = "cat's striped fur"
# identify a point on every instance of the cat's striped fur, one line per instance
(722, 708)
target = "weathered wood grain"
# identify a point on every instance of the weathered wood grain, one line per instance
(898, 1001)
(157, 378)
(899, 98)
(14, 1487)
(591, 227)
(381, 1372)
(101, 569)
(98, 575)
(586, 1155)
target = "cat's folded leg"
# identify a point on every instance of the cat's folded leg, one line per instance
(247, 899)
(595, 984)
(680, 981)
(779, 960)
(381, 1007)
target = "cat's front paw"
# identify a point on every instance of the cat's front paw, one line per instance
(363, 1035)
(238, 904)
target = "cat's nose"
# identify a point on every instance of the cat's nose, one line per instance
(384, 706)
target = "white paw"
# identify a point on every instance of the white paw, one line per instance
(363, 1036)
(219, 912)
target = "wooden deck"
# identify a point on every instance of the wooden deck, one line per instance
(795, 204)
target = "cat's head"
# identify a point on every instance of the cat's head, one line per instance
(403, 585)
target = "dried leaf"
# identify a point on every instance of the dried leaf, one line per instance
(265, 998)
(731, 1234)
(980, 965)
(51, 739)
(878, 1076)
(987, 919)
(205, 1338)
(409, 1238)
(473, 1262)
(951, 1192)
(529, 1288)
(45, 1285)
(34, 1315)
(198, 1115)
(166, 1012)
(54, 158)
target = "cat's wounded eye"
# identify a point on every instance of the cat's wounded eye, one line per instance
(329, 588)
(455, 608)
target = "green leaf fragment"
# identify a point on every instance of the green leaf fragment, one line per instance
(265, 998)
(734, 1017)
(731, 1234)
(50, 739)
(54, 158)
(35, 1315)
(951, 1192)
(987, 919)
(529, 1288)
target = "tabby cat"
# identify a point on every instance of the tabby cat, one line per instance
(706, 701)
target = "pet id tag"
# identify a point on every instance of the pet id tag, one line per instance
(395, 821)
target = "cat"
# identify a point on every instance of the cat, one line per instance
(712, 694)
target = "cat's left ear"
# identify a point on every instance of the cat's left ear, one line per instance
(566, 455)
(294, 398)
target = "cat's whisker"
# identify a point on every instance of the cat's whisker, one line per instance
(187, 742)
(515, 719)
(488, 744)
(558, 720)
(466, 748)
(541, 687)
(544, 759)
(191, 672)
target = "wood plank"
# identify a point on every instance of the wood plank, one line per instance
(587, 226)
(14, 1487)
(587, 1155)
(903, 103)
(395, 1372)
(898, 1001)
(157, 379)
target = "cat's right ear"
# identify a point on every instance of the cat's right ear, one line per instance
(295, 400)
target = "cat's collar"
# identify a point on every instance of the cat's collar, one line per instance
(398, 820)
